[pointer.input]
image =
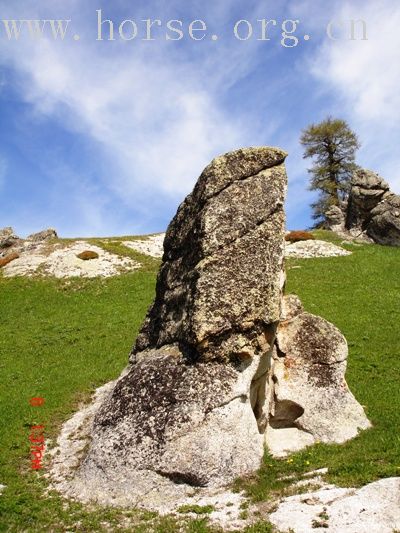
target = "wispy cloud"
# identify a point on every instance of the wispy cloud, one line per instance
(157, 116)
(364, 77)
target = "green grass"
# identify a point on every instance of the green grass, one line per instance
(196, 509)
(62, 339)
(59, 340)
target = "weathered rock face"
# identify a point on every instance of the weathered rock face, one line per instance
(335, 218)
(222, 264)
(312, 401)
(180, 421)
(7, 238)
(210, 381)
(384, 227)
(367, 190)
(190, 409)
(42, 236)
(373, 211)
(372, 508)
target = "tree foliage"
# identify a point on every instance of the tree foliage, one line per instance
(332, 145)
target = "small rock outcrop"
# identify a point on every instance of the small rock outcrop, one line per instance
(373, 211)
(223, 364)
(152, 245)
(311, 249)
(9, 241)
(7, 238)
(43, 236)
(372, 508)
(335, 219)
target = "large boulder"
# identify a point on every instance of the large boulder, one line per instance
(384, 226)
(189, 409)
(367, 190)
(205, 386)
(373, 210)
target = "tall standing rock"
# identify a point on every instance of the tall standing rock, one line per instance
(192, 407)
(205, 383)
(373, 210)
(222, 264)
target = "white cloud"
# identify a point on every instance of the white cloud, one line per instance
(367, 73)
(157, 118)
(364, 77)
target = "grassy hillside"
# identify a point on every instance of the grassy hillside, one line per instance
(62, 339)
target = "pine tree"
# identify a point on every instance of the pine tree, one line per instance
(332, 145)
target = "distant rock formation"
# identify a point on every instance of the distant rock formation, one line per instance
(372, 212)
(368, 189)
(42, 236)
(8, 238)
(384, 227)
(10, 242)
(335, 219)
(220, 366)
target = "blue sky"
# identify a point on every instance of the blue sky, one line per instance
(106, 138)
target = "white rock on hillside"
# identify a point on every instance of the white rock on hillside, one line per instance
(62, 262)
(370, 509)
(310, 249)
(153, 245)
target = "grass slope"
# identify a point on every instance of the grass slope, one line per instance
(61, 339)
